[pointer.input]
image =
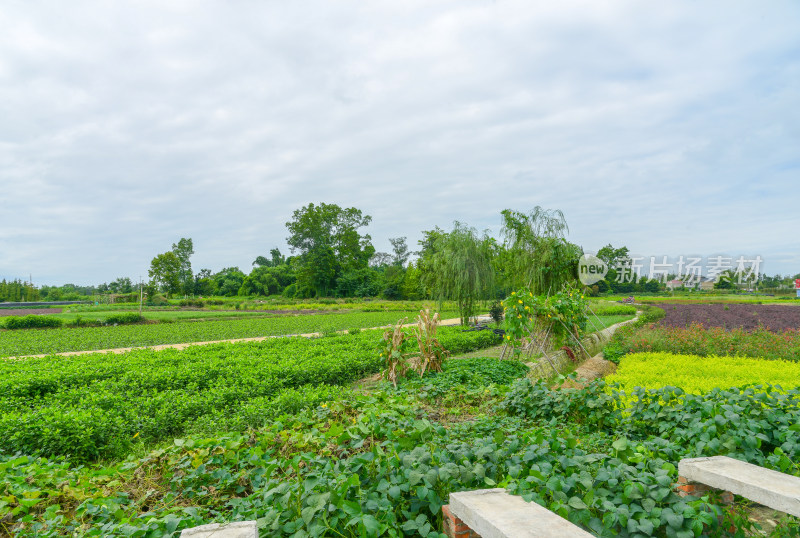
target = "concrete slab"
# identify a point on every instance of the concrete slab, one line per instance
(493, 513)
(765, 486)
(238, 529)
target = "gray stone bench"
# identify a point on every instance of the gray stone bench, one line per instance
(776, 490)
(493, 513)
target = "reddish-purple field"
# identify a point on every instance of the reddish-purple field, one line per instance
(730, 316)
(28, 311)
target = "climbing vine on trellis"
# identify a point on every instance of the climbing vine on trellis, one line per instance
(563, 314)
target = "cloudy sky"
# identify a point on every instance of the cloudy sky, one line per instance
(672, 128)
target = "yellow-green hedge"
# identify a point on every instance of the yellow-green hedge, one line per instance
(697, 374)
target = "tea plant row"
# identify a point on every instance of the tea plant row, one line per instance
(99, 406)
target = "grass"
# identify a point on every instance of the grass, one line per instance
(602, 322)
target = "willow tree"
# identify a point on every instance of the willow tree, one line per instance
(536, 254)
(459, 268)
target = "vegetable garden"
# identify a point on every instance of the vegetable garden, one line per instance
(29, 342)
(148, 443)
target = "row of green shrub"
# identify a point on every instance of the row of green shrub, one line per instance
(57, 340)
(49, 322)
(200, 303)
(98, 407)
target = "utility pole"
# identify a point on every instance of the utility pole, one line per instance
(140, 295)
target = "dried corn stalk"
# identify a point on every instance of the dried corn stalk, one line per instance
(394, 353)
(431, 353)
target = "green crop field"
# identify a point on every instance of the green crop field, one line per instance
(295, 434)
(92, 407)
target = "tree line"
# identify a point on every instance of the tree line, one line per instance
(331, 256)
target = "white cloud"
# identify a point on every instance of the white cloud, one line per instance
(669, 128)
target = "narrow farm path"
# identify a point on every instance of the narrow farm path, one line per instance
(184, 345)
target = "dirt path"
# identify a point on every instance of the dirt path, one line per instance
(184, 345)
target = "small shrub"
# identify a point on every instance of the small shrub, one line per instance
(32, 322)
(591, 406)
(123, 319)
(650, 314)
(80, 321)
(328, 330)
(496, 312)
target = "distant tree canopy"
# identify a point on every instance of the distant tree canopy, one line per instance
(331, 250)
(171, 271)
(333, 257)
(17, 291)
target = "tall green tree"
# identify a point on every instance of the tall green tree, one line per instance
(172, 270)
(228, 281)
(536, 254)
(184, 249)
(275, 259)
(329, 244)
(612, 255)
(399, 250)
(165, 272)
(458, 267)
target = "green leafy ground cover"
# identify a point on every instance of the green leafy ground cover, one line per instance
(31, 342)
(383, 463)
(99, 406)
(697, 340)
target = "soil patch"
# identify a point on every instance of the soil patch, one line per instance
(732, 316)
(28, 311)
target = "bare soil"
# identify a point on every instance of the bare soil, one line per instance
(731, 316)
(28, 311)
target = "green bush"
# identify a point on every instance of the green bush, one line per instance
(123, 319)
(459, 376)
(32, 322)
(199, 303)
(759, 423)
(650, 314)
(591, 406)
